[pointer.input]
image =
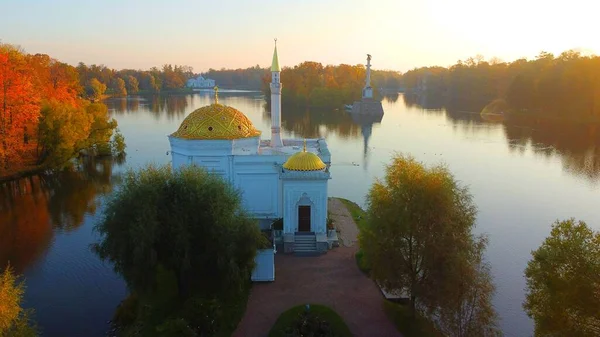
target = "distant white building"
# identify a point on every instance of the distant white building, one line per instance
(200, 82)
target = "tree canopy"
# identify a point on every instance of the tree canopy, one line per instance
(418, 239)
(563, 282)
(154, 80)
(564, 86)
(14, 320)
(177, 236)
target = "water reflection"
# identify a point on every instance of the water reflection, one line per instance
(366, 122)
(577, 144)
(391, 97)
(25, 226)
(315, 123)
(172, 106)
(33, 208)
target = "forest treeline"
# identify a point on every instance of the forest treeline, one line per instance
(314, 85)
(248, 78)
(565, 86)
(44, 121)
(98, 80)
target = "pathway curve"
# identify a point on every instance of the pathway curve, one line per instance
(332, 279)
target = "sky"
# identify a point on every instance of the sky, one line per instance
(400, 35)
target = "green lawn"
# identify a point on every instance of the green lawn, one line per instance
(399, 314)
(287, 319)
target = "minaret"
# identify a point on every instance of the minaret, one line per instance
(275, 101)
(368, 91)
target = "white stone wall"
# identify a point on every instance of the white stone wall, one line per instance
(266, 192)
(257, 178)
(298, 193)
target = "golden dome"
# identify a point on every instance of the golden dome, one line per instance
(304, 161)
(216, 121)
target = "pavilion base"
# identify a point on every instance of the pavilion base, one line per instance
(367, 106)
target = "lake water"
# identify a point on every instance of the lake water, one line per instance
(523, 175)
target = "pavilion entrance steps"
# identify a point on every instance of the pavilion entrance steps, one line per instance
(305, 244)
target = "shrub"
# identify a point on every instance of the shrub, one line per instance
(362, 262)
(309, 324)
(318, 320)
(14, 320)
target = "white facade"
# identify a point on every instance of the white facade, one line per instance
(200, 82)
(255, 168)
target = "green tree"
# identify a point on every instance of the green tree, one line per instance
(14, 320)
(62, 129)
(118, 87)
(101, 130)
(563, 282)
(418, 239)
(169, 250)
(132, 85)
(118, 144)
(465, 309)
(94, 89)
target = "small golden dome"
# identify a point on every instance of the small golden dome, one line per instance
(216, 121)
(304, 161)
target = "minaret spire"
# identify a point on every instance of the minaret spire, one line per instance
(275, 62)
(275, 101)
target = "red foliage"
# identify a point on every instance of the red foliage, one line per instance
(26, 81)
(19, 106)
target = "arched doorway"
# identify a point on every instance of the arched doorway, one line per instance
(303, 218)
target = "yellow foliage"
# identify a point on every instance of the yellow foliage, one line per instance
(11, 293)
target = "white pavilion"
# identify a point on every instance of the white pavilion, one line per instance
(278, 178)
(200, 82)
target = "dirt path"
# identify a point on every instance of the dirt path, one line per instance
(332, 279)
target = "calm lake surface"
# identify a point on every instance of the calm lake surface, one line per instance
(524, 175)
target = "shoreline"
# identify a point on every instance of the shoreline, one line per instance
(38, 169)
(25, 173)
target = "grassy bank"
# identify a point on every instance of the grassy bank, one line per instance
(360, 218)
(358, 214)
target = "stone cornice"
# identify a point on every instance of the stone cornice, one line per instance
(305, 175)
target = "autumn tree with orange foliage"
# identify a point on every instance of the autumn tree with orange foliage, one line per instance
(44, 122)
(19, 106)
